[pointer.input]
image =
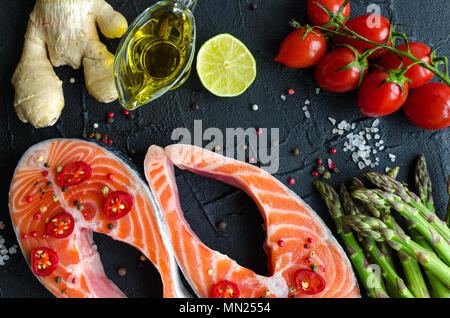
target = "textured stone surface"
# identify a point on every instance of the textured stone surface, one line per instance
(206, 202)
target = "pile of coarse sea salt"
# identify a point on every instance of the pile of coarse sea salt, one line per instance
(4, 251)
(364, 144)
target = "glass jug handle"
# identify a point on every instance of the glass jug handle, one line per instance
(189, 4)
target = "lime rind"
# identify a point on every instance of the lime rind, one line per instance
(225, 66)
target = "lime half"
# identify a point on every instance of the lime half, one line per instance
(225, 66)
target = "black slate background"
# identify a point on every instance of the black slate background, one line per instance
(205, 201)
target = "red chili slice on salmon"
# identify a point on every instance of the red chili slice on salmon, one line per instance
(43, 261)
(117, 205)
(74, 174)
(60, 226)
(225, 289)
(309, 282)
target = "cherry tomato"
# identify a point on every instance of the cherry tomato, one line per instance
(429, 106)
(117, 205)
(300, 51)
(74, 174)
(376, 100)
(43, 261)
(60, 226)
(225, 289)
(309, 282)
(319, 17)
(371, 26)
(418, 74)
(328, 77)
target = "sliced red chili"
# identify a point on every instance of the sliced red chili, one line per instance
(225, 289)
(60, 226)
(309, 282)
(117, 205)
(43, 261)
(75, 173)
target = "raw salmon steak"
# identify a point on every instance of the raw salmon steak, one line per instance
(304, 258)
(65, 189)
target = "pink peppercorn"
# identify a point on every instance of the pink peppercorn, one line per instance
(45, 173)
(74, 280)
(322, 268)
(110, 115)
(29, 198)
(291, 181)
(308, 260)
(315, 174)
(37, 215)
(34, 234)
(110, 141)
(280, 243)
(126, 112)
(259, 131)
(290, 91)
(251, 160)
(309, 240)
(24, 236)
(319, 161)
(110, 176)
(333, 151)
(45, 236)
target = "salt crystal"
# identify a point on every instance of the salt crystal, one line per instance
(305, 108)
(335, 130)
(374, 152)
(381, 148)
(372, 165)
(283, 97)
(367, 129)
(368, 136)
(333, 121)
(381, 142)
(307, 114)
(12, 250)
(377, 136)
(375, 123)
(353, 126)
(317, 90)
(374, 130)
(307, 101)
(387, 169)
(341, 132)
(361, 165)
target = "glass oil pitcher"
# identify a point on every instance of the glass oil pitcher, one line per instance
(156, 53)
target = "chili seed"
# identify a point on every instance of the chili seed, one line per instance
(80, 208)
(314, 267)
(121, 271)
(58, 169)
(98, 136)
(143, 258)
(105, 190)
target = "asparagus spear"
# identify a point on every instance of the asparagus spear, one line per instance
(351, 208)
(376, 229)
(373, 283)
(438, 289)
(412, 215)
(423, 183)
(390, 185)
(447, 217)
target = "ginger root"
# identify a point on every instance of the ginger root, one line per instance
(63, 32)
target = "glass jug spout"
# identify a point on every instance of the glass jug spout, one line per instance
(156, 53)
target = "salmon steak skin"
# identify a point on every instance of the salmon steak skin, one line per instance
(63, 190)
(305, 260)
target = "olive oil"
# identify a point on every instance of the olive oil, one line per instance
(157, 54)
